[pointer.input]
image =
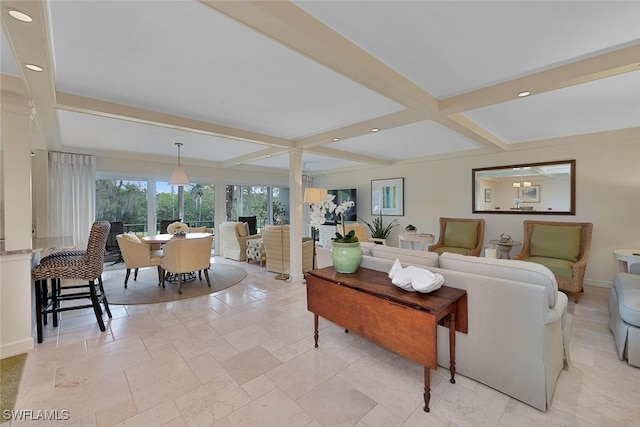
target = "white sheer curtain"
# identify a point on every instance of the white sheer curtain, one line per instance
(72, 194)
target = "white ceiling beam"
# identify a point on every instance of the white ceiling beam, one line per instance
(605, 65)
(345, 155)
(81, 104)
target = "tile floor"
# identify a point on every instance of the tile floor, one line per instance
(245, 357)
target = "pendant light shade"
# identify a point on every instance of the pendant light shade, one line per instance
(179, 176)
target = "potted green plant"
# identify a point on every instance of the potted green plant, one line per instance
(345, 250)
(378, 229)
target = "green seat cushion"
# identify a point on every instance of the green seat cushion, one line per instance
(559, 267)
(556, 241)
(450, 249)
(463, 234)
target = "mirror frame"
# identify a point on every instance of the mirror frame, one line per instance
(572, 180)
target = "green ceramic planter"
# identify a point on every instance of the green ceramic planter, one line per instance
(346, 257)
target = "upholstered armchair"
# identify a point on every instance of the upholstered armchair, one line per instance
(563, 247)
(462, 236)
(233, 240)
(276, 245)
(182, 255)
(138, 254)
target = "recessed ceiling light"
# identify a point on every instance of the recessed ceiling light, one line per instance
(20, 16)
(33, 67)
(375, 130)
(268, 156)
(524, 93)
(237, 163)
(336, 139)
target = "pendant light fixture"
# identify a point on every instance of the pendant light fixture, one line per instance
(179, 176)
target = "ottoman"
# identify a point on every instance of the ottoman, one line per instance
(255, 251)
(624, 306)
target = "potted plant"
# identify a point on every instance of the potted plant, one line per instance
(345, 250)
(378, 229)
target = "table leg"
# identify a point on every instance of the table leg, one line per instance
(427, 388)
(315, 331)
(452, 346)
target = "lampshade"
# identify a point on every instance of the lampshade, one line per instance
(179, 176)
(314, 195)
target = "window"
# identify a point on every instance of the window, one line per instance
(122, 200)
(198, 204)
(266, 203)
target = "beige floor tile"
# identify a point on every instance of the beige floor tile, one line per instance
(301, 374)
(211, 401)
(274, 409)
(250, 364)
(157, 380)
(336, 403)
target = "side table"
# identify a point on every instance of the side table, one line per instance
(423, 241)
(504, 248)
(626, 258)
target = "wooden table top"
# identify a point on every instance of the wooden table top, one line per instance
(378, 283)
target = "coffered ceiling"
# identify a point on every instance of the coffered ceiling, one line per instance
(241, 83)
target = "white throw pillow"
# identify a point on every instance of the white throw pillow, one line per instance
(243, 229)
(131, 236)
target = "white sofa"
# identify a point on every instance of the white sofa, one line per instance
(517, 342)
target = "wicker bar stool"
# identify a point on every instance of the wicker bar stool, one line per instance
(82, 265)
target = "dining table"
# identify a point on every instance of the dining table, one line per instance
(157, 240)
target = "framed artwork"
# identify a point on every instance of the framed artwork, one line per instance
(530, 194)
(487, 195)
(387, 196)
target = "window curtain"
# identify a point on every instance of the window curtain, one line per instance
(307, 181)
(72, 196)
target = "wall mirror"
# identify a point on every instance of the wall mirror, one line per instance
(532, 188)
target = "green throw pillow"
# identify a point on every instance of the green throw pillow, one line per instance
(556, 241)
(462, 234)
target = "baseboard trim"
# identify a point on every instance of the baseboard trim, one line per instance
(17, 347)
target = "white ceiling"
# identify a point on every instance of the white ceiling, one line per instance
(243, 83)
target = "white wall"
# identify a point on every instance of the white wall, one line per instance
(607, 194)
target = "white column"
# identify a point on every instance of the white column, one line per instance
(220, 215)
(16, 172)
(16, 309)
(152, 215)
(295, 212)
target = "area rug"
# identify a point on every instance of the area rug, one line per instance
(10, 375)
(145, 290)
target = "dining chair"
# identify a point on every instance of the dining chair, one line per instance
(138, 254)
(183, 255)
(164, 223)
(85, 266)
